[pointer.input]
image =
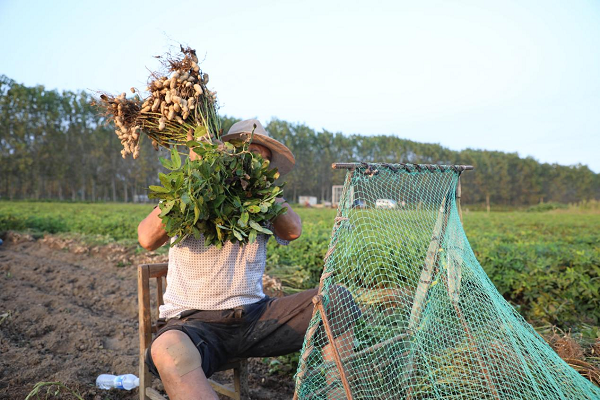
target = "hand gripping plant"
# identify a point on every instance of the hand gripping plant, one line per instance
(405, 311)
(227, 193)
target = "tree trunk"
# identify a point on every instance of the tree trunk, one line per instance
(9, 188)
(60, 193)
(114, 190)
(125, 191)
(38, 188)
(487, 202)
(93, 190)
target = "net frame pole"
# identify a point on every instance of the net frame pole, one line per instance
(458, 195)
(406, 166)
(310, 333)
(318, 302)
(427, 272)
(455, 260)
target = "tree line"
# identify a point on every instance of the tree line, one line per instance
(55, 145)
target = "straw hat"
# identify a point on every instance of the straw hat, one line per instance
(282, 157)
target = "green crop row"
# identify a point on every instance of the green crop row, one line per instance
(116, 221)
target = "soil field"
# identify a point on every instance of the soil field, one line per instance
(68, 313)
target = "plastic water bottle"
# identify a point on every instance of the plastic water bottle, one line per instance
(126, 382)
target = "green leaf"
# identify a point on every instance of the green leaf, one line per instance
(252, 236)
(219, 232)
(159, 189)
(175, 159)
(237, 142)
(166, 163)
(179, 239)
(197, 233)
(166, 207)
(165, 180)
(229, 146)
(178, 180)
(200, 131)
(238, 235)
(227, 209)
(253, 209)
(243, 221)
(219, 200)
(259, 228)
(196, 213)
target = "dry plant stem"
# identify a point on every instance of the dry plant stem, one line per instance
(586, 369)
(38, 386)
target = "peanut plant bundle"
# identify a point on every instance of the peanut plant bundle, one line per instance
(179, 103)
(227, 193)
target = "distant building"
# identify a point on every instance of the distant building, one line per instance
(307, 201)
(336, 195)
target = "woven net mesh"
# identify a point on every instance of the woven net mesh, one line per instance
(410, 310)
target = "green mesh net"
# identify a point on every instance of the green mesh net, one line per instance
(411, 313)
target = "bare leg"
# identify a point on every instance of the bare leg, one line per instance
(173, 366)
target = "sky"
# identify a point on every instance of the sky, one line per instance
(515, 76)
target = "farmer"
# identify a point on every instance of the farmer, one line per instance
(214, 303)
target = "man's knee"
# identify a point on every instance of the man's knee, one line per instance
(175, 351)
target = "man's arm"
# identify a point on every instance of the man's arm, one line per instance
(287, 226)
(151, 232)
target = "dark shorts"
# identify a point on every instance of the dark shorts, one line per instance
(270, 327)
